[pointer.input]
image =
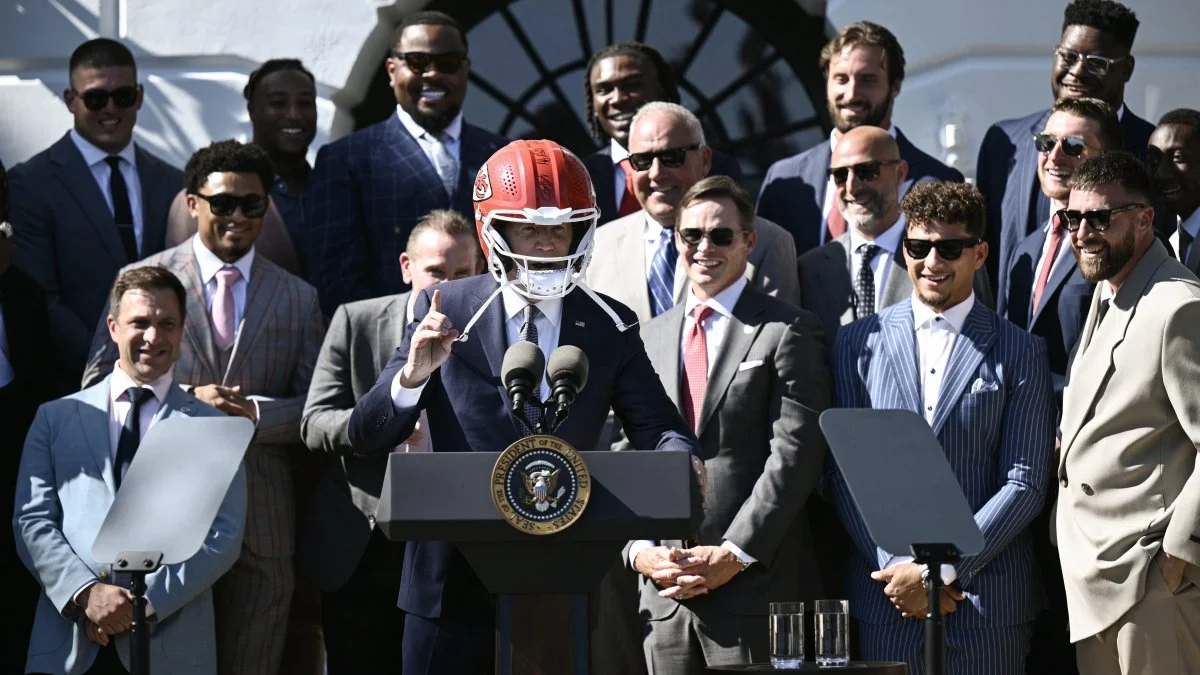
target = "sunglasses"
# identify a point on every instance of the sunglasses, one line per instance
(1096, 65)
(97, 99)
(225, 205)
(671, 157)
(448, 63)
(1099, 220)
(948, 249)
(719, 236)
(1072, 146)
(863, 170)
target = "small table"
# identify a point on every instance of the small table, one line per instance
(859, 668)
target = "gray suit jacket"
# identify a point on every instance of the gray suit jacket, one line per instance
(618, 265)
(64, 492)
(762, 447)
(334, 533)
(68, 242)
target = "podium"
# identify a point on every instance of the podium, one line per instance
(542, 612)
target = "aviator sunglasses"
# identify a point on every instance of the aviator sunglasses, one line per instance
(1072, 146)
(448, 63)
(948, 249)
(863, 170)
(671, 157)
(96, 99)
(719, 236)
(225, 205)
(1099, 220)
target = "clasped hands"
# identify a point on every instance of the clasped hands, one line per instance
(684, 573)
(228, 400)
(109, 611)
(906, 589)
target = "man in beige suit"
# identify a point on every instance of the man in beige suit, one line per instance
(1128, 521)
(635, 259)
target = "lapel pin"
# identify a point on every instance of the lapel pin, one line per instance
(185, 409)
(579, 324)
(747, 329)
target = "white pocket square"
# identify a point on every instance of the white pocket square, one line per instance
(979, 386)
(747, 365)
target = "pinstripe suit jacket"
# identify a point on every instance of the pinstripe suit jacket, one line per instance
(995, 421)
(272, 361)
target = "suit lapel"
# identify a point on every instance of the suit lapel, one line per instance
(407, 154)
(489, 333)
(604, 181)
(633, 253)
(1058, 277)
(1193, 258)
(265, 280)
(79, 182)
(835, 277)
(1021, 182)
(389, 331)
(898, 286)
(199, 330)
(154, 203)
(978, 334)
(900, 353)
(743, 328)
(473, 151)
(816, 174)
(95, 428)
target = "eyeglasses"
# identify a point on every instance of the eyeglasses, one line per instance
(1072, 146)
(948, 249)
(96, 99)
(448, 63)
(1099, 220)
(719, 236)
(1096, 65)
(225, 205)
(863, 170)
(671, 157)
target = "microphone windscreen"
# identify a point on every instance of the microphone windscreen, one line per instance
(523, 360)
(568, 361)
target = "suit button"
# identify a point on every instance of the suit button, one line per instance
(1063, 482)
(103, 576)
(1087, 489)
(371, 520)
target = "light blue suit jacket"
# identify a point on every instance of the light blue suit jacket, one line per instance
(995, 420)
(64, 491)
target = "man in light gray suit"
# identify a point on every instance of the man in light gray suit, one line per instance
(252, 336)
(74, 458)
(76, 220)
(338, 546)
(752, 383)
(668, 155)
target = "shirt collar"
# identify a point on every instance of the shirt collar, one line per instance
(514, 305)
(120, 381)
(722, 302)
(618, 153)
(93, 155)
(888, 241)
(1121, 113)
(453, 130)
(833, 138)
(956, 316)
(1192, 224)
(651, 230)
(210, 264)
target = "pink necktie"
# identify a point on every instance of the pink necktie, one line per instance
(223, 309)
(695, 366)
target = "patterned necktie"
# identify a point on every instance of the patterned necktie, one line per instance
(444, 162)
(695, 366)
(122, 211)
(223, 309)
(529, 333)
(864, 283)
(1056, 237)
(131, 432)
(629, 202)
(662, 274)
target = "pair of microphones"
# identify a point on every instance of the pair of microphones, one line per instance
(566, 372)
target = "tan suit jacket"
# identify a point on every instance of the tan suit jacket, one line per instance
(618, 266)
(1131, 423)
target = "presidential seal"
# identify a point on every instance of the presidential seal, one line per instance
(540, 485)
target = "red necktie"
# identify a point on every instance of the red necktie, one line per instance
(1056, 237)
(629, 202)
(695, 366)
(836, 222)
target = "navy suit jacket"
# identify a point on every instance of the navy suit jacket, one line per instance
(469, 410)
(367, 192)
(599, 165)
(995, 421)
(793, 191)
(1006, 174)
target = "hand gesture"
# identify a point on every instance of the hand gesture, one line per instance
(109, 607)
(430, 345)
(228, 400)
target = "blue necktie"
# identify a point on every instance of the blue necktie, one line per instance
(662, 274)
(131, 433)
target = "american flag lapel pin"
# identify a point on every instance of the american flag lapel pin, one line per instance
(580, 324)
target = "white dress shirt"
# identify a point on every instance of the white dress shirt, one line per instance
(210, 264)
(884, 262)
(1192, 227)
(831, 188)
(95, 158)
(6, 370)
(651, 235)
(618, 155)
(425, 139)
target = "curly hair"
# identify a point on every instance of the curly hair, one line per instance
(1100, 112)
(230, 156)
(274, 66)
(1116, 167)
(948, 203)
(865, 33)
(667, 85)
(1104, 15)
(428, 18)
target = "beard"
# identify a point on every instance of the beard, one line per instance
(1112, 259)
(874, 221)
(874, 117)
(433, 122)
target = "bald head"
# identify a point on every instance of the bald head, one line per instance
(867, 173)
(874, 142)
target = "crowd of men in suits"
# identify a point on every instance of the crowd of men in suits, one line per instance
(1040, 321)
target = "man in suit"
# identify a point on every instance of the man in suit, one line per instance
(77, 219)
(75, 456)
(621, 78)
(669, 156)
(983, 385)
(370, 188)
(1092, 60)
(748, 372)
(252, 336)
(536, 241)
(338, 546)
(1173, 156)
(863, 67)
(1128, 504)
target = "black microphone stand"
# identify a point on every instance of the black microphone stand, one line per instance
(138, 564)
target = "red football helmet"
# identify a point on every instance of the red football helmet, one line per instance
(543, 183)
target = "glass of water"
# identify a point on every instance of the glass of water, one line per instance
(831, 623)
(787, 634)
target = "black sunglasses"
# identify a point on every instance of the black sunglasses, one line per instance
(719, 236)
(671, 157)
(448, 63)
(96, 99)
(1072, 146)
(863, 170)
(224, 205)
(1099, 220)
(1096, 65)
(948, 249)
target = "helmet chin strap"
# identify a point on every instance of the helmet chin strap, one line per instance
(621, 325)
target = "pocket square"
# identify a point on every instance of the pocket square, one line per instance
(747, 365)
(979, 386)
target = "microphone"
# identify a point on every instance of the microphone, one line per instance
(521, 371)
(566, 373)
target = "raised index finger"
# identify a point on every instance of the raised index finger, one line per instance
(435, 303)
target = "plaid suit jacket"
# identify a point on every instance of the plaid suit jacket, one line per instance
(273, 360)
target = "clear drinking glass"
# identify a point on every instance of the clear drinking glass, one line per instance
(831, 624)
(787, 634)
